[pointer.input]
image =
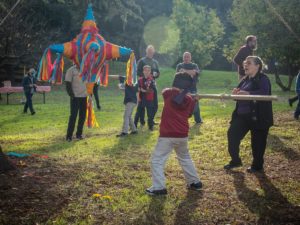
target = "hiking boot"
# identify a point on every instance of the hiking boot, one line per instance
(121, 134)
(156, 192)
(232, 165)
(195, 186)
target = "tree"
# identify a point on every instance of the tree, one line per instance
(276, 23)
(200, 30)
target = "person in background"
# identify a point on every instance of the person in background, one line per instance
(146, 87)
(150, 61)
(245, 51)
(253, 116)
(193, 70)
(130, 101)
(173, 134)
(77, 91)
(29, 86)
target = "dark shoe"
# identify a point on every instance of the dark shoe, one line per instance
(68, 139)
(99, 108)
(195, 186)
(134, 132)
(79, 137)
(121, 134)
(290, 102)
(33, 113)
(156, 192)
(232, 165)
(253, 170)
(151, 128)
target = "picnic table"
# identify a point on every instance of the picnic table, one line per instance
(11, 90)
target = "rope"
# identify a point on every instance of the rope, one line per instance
(282, 19)
(15, 5)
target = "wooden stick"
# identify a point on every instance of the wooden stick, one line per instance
(239, 97)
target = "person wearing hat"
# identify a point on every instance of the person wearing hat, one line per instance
(174, 128)
(29, 86)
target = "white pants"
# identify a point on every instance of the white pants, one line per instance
(160, 155)
(127, 119)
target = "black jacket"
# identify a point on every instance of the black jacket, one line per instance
(262, 113)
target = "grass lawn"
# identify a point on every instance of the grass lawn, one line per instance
(102, 179)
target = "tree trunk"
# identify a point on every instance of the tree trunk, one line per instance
(5, 164)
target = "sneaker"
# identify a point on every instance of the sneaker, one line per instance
(121, 134)
(195, 186)
(79, 137)
(232, 165)
(253, 170)
(156, 192)
(134, 132)
(68, 139)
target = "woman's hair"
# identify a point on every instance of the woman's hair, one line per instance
(257, 61)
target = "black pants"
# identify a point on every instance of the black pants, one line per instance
(140, 114)
(95, 93)
(154, 108)
(77, 106)
(238, 129)
(28, 102)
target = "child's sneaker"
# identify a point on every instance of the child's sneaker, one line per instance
(195, 186)
(121, 134)
(151, 192)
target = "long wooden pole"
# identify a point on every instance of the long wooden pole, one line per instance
(238, 97)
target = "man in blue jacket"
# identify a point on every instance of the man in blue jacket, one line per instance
(29, 86)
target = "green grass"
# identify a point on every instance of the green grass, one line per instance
(120, 168)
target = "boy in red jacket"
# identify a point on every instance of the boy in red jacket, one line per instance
(174, 128)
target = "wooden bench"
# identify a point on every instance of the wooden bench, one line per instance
(10, 90)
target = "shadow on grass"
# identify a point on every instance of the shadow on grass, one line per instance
(17, 118)
(277, 145)
(270, 206)
(37, 192)
(155, 212)
(187, 208)
(127, 143)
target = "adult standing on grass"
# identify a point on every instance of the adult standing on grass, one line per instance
(253, 116)
(150, 61)
(245, 51)
(29, 86)
(193, 70)
(173, 134)
(77, 91)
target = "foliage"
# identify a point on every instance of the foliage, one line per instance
(200, 30)
(265, 19)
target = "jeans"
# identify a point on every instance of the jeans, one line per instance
(28, 102)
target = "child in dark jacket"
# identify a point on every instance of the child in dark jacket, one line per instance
(146, 86)
(130, 101)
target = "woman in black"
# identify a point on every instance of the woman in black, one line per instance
(253, 116)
